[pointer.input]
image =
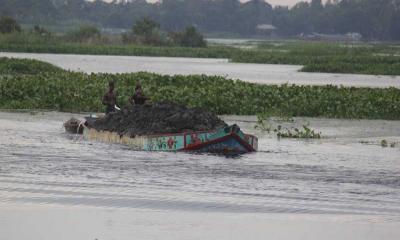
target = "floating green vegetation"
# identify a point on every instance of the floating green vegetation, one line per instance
(305, 132)
(25, 66)
(269, 124)
(327, 57)
(383, 143)
(77, 92)
(266, 121)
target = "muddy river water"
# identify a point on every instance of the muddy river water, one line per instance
(57, 186)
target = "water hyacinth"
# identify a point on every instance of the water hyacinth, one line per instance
(77, 92)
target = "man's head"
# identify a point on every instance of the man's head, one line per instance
(138, 86)
(111, 86)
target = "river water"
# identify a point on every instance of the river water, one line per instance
(257, 73)
(57, 186)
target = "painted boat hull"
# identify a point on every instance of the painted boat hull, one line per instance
(228, 140)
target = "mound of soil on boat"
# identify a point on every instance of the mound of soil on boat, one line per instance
(158, 119)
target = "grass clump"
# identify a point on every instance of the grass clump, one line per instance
(305, 132)
(384, 143)
(268, 124)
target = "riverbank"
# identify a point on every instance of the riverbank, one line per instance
(360, 58)
(77, 92)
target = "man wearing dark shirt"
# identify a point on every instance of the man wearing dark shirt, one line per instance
(110, 99)
(138, 98)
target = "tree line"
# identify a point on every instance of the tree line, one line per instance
(143, 32)
(373, 19)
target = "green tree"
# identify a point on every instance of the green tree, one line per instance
(145, 31)
(145, 27)
(9, 25)
(190, 37)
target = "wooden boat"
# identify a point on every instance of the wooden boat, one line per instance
(229, 140)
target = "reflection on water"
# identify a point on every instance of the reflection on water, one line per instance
(258, 73)
(41, 164)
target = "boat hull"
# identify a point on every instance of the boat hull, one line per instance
(229, 140)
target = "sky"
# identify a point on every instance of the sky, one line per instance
(284, 2)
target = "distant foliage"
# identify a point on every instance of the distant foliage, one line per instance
(86, 34)
(9, 25)
(145, 31)
(145, 27)
(373, 19)
(190, 37)
(25, 42)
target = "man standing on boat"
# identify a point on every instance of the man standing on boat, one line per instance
(110, 99)
(138, 98)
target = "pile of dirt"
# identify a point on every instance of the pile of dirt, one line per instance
(158, 119)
